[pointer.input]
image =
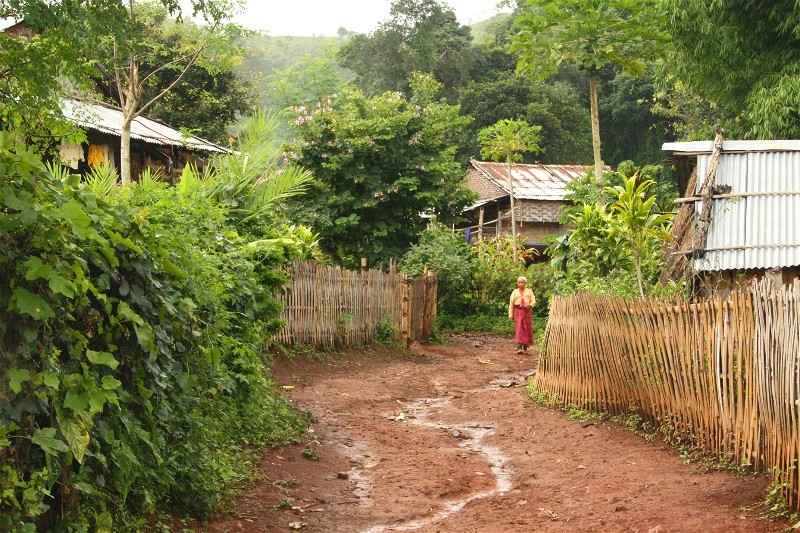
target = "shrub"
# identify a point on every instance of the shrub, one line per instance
(451, 257)
(130, 328)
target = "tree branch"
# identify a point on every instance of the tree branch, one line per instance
(171, 85)
(168, 63)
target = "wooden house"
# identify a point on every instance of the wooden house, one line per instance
(539, 192)
(153, 143)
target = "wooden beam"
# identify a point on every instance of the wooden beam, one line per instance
(689, 199)
(480, 225)
(706, 193)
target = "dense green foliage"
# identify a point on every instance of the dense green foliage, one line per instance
(589, 34)
(420, 36)
(743, 57)
(378, 163)
(130, 334)
(614, 246)
(212, 94)
(476, 280)
(556, 107)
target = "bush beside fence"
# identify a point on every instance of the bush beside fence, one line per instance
(326, 305)
(722, 373)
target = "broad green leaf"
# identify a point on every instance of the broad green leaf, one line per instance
(125, 311)
(144, 334)
(76, 217)
(97, 399)
(46, 439)
(110, 383)
(61, 285)
(51, 379)
(76, 431)
(16, 377)
(26, 302)
(35, 269)
(102, 358)
(78, 402)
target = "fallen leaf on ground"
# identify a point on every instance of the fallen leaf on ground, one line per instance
(287, 387)
(371, 465)
(297, 525)
(485, 362)
(399, 417)
(552, 515)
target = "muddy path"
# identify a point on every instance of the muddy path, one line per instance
(446, 441)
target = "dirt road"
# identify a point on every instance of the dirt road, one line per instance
(446, 441)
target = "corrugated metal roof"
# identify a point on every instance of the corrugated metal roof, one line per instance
(532, 182)
(734, 146)
(480, 203)
(109, 120)
(757, 231)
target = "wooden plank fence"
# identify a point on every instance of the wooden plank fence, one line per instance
(325, 305)
(722, 373)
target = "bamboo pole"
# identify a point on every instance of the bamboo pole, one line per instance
(721, 373)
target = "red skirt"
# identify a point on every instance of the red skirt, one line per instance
(522, 321)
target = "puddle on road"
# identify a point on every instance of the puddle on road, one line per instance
(475, 432)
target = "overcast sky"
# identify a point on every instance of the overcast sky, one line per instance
(324, 17)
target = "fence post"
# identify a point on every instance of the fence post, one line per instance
(405, 323)
(363, 264)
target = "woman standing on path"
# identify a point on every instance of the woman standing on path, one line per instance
(519, 310)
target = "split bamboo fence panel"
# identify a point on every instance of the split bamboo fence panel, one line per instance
(325, 305)
(723, 374)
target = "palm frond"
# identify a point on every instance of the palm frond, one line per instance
(101, 179)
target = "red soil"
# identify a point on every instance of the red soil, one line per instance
(461, 430)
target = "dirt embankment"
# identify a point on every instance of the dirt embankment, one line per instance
(445, 441)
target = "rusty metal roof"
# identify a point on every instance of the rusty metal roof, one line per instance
(532, 182)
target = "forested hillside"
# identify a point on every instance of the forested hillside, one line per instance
(479, 74)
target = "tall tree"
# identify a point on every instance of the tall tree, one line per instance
(420, 36)
(378, 164)
(508, 139)
(743, 56)
(37, 55)
(131, 44)
(555, 106)
(212, 94)
(589, 34)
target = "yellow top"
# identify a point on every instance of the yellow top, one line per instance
(516, 299)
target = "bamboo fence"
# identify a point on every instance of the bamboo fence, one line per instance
(721, 373)
(326, 305)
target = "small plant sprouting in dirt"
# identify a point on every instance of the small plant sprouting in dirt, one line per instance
(285, 503)
(285, 484)
(775, 507)
(581, 415)
(310, 453)
(540, 396)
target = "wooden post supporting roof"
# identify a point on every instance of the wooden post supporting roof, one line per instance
(706, 193)
(480, 224)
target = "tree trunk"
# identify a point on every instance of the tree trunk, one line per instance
(638, 264)
(513, 211)
(598, 161)
(125, 152)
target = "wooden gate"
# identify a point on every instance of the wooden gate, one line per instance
(421, 306)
